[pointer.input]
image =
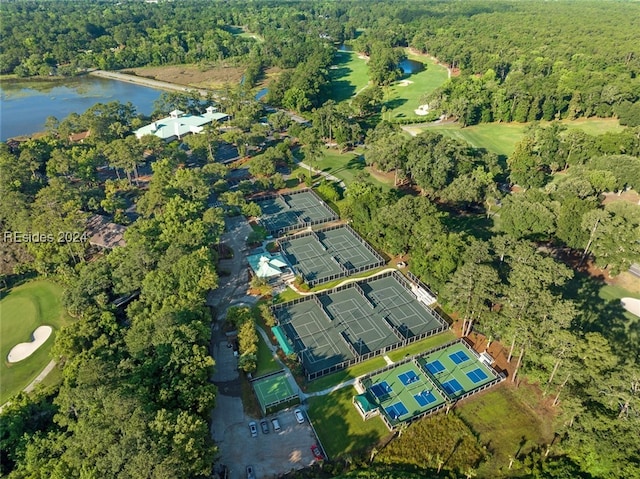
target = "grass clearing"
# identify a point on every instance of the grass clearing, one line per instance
(22, 310)
(403, 100)
(266, 363)
(501, 138)
(349, 74)
(422, 346)
(339, 426)
(348, 166)
(193, 75)
(507, 424)
(346, 374)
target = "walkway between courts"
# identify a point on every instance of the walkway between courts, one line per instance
(346, 281)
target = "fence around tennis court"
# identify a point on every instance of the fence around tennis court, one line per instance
(379, 260)
(449, 402)
(300, 224)
(358, 358)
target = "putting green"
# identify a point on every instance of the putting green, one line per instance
(22, 310)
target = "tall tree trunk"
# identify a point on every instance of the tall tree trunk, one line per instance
(555, 369)
(513, 345)
(515, 373)
(586, 250)
(555, 400)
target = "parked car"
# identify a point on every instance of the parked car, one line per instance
(265, 426)
(251, 474)
(253, 429)
(299, 416)
(317, 453)
(276, 424)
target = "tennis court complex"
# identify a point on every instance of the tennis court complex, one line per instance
(292, 211)
(426, 383)
(403, 392)
(335, 329)
(274, 390)
(329, 254)
(457, 369)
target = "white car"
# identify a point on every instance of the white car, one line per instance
(299, 416)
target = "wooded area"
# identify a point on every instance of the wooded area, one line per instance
(505, 241)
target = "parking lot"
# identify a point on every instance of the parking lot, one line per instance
(269, 454)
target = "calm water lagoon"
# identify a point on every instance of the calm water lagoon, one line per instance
(25, 105)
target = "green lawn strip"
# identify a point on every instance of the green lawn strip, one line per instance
(266, 363)
(339, 426)
(348, 76)
(287, 295)
(346, 374)
(506, 424)
(22, 310)
(333, 284)
(422, 346)
(611, 293)
(403, 100)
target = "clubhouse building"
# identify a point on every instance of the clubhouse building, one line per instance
(178, 124)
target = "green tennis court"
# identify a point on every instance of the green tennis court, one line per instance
(403, 392)
(457, 369)
(273, 390)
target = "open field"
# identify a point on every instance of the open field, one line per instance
(501, 138)
(507, 424)
(22, 310)
(347, 166)
(349, 75)
(404, 97)
(196, 76)
(339, 426)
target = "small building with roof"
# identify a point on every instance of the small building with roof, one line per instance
(268, 266)
(179, 124)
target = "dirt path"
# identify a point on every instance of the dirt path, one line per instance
(149, 82)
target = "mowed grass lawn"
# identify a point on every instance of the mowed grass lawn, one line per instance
(505, 421)
(339, 426)
(266, 363)
(501, 138)
(22, 310)
(403, 100)
(349, 74)
(347, 166)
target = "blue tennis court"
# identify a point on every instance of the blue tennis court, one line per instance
(435, 367)
(381, 389)
(424, 398)
(459, 357)
(452, 386)
(408, 377)
(396, 410)
(477, 375)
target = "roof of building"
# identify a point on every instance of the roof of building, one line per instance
(179, 124)
(104, 233)
(266, 265)
(83, 135)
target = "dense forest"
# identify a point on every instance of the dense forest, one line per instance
(519, 61)
(491, 234)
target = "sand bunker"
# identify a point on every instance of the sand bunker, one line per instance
(422, 110)
(404, 83)
(632, 305)
(24, 350)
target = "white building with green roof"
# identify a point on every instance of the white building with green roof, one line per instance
(179, 124)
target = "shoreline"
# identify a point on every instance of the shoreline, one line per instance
(149, 82)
